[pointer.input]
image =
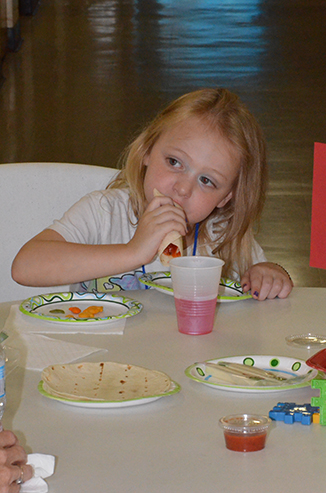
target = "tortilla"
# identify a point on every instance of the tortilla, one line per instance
(107, 381)
(173, 240)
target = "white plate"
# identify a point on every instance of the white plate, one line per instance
(282, 366)
(115, 306)
(174, 388)
(228, 290)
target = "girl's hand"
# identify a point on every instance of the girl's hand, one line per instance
(266, 280)
(160, 218)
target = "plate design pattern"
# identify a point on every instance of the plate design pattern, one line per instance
(161, 281)
(174, 389)
(281, 365)
(38, 306)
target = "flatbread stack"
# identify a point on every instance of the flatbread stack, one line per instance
(172, 244)
(113, 382)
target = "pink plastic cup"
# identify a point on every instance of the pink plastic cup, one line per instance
(195, 282)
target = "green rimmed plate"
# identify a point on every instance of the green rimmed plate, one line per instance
(174, 389)
(161, 281)
(282, 366)
(54, 307)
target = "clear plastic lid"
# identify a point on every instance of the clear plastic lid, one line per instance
(245, 423)
(307, 341)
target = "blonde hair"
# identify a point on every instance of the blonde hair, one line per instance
(233, 224)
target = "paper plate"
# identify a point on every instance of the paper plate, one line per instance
(161, 281)
(54, 307)
(288, 368)
(174, 389)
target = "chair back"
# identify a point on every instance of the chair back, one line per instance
(32, 195)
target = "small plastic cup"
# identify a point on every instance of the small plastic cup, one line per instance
(245, 432)
(195, 282)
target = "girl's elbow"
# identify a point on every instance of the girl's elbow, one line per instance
(18, 272)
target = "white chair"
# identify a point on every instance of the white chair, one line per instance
(32, 195)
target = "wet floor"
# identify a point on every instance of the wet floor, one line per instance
(89, 74)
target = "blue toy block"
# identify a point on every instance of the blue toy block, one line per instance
(290, 412)
(321, 400)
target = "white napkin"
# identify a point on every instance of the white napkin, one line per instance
(43, 351)
(26, 324)
(43, 466)
(38, 351)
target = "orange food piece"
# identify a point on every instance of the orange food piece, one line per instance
(75, 309)
(95, 309)
(172, 251)
(90, 312)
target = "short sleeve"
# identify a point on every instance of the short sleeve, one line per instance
(98, 218)
(82, 222)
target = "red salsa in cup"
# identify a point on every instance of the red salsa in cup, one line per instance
(245, 432)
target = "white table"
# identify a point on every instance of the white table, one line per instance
(175, 444)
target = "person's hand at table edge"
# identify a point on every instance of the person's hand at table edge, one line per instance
(13, 463)
(267, 280)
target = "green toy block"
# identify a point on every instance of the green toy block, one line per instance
(321, 400)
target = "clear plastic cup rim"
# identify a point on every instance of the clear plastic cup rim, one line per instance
(197, 259)
(246, 424)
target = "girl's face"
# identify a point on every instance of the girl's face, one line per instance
(195, 166)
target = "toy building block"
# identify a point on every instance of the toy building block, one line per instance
(321, 400)
(290, 412)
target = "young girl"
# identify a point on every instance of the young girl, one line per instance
(205, 155)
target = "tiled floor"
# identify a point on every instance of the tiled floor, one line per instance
(91, 72)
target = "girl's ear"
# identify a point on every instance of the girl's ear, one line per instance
(225, 200)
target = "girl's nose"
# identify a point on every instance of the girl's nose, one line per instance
(183, 187)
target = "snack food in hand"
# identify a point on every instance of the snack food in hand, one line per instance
(172, 244)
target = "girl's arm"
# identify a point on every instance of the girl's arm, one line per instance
(49, 260)
(267, 280)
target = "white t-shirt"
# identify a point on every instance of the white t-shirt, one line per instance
(106, 217)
